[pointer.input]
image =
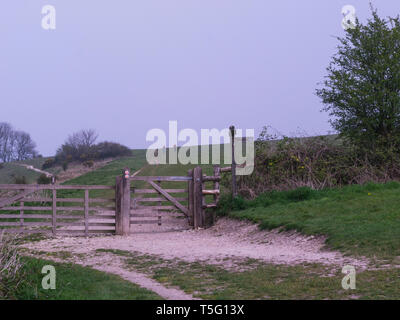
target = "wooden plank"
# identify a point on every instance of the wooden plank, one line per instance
(144, 221)
(153, 208)
(191, 198)
(54, 211)
(207, 178)
(210, 192)
(36, 223)
(209, 206)
(21, 220)
(38, 199)
(17, 197)
(26, 208)
(198, 197)
(25, 216)
(102, 224)
(19, 230)
(158, 199)
(226, 169)
(101, 217)
(145, 191)
(169, 197)
(37, 187)
(217, 173)
(159, 178)
(66, 216)
(86, 211)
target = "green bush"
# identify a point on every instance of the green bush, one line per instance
(48, 164)
(44, 179)
(89, 163)
(312, 162)
(20, 180)
(65, 166)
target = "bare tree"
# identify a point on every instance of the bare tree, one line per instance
(83, 139)
(15, 145)
(24, 147)
(6, 139)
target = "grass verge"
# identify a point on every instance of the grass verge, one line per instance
(257, 280)
(357, 220)
(74, 282)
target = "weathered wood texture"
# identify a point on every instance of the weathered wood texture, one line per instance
(45, 214)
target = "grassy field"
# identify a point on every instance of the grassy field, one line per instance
(77, 283)
(357, 220)
(258, 280)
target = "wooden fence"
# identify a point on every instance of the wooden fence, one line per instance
(61, 209)
(50, 209)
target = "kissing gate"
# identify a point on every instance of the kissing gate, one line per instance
(94, 209)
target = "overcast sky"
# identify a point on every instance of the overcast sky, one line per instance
(124, 67)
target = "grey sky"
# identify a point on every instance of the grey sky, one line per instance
(124, 67)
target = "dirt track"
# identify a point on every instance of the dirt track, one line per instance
(227, 243)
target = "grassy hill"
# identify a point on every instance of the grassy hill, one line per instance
(357, 219)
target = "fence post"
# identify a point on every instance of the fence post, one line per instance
(191, 198)
(234, 186)
(217, 174)
(198, 198)
(123, 204)
(86, 206)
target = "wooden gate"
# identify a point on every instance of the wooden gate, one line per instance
(57, 209)
(152, 205)
(155, 204)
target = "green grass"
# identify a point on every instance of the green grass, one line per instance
(74, 282)
(358, 220)
(263, 281)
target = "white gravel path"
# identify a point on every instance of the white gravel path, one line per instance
(227, 242)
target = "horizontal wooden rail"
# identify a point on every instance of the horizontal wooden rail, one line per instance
(153, 208)
(207, 178)
(210, 192)
(145, 191)
(157, 199)
(143, 221)
(37, 187)
(160, 178)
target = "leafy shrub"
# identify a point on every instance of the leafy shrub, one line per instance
(20, 180)
(89, 163)
(283, 163)
(111, 149)
(48, 164)
(11, 274)
(44, 179)
(100, 151)
(65, 166)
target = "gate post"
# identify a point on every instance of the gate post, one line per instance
(123, 204)
(198, 198)
(191, 198)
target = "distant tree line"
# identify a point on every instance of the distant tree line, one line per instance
(82, 147)
(15, 145)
